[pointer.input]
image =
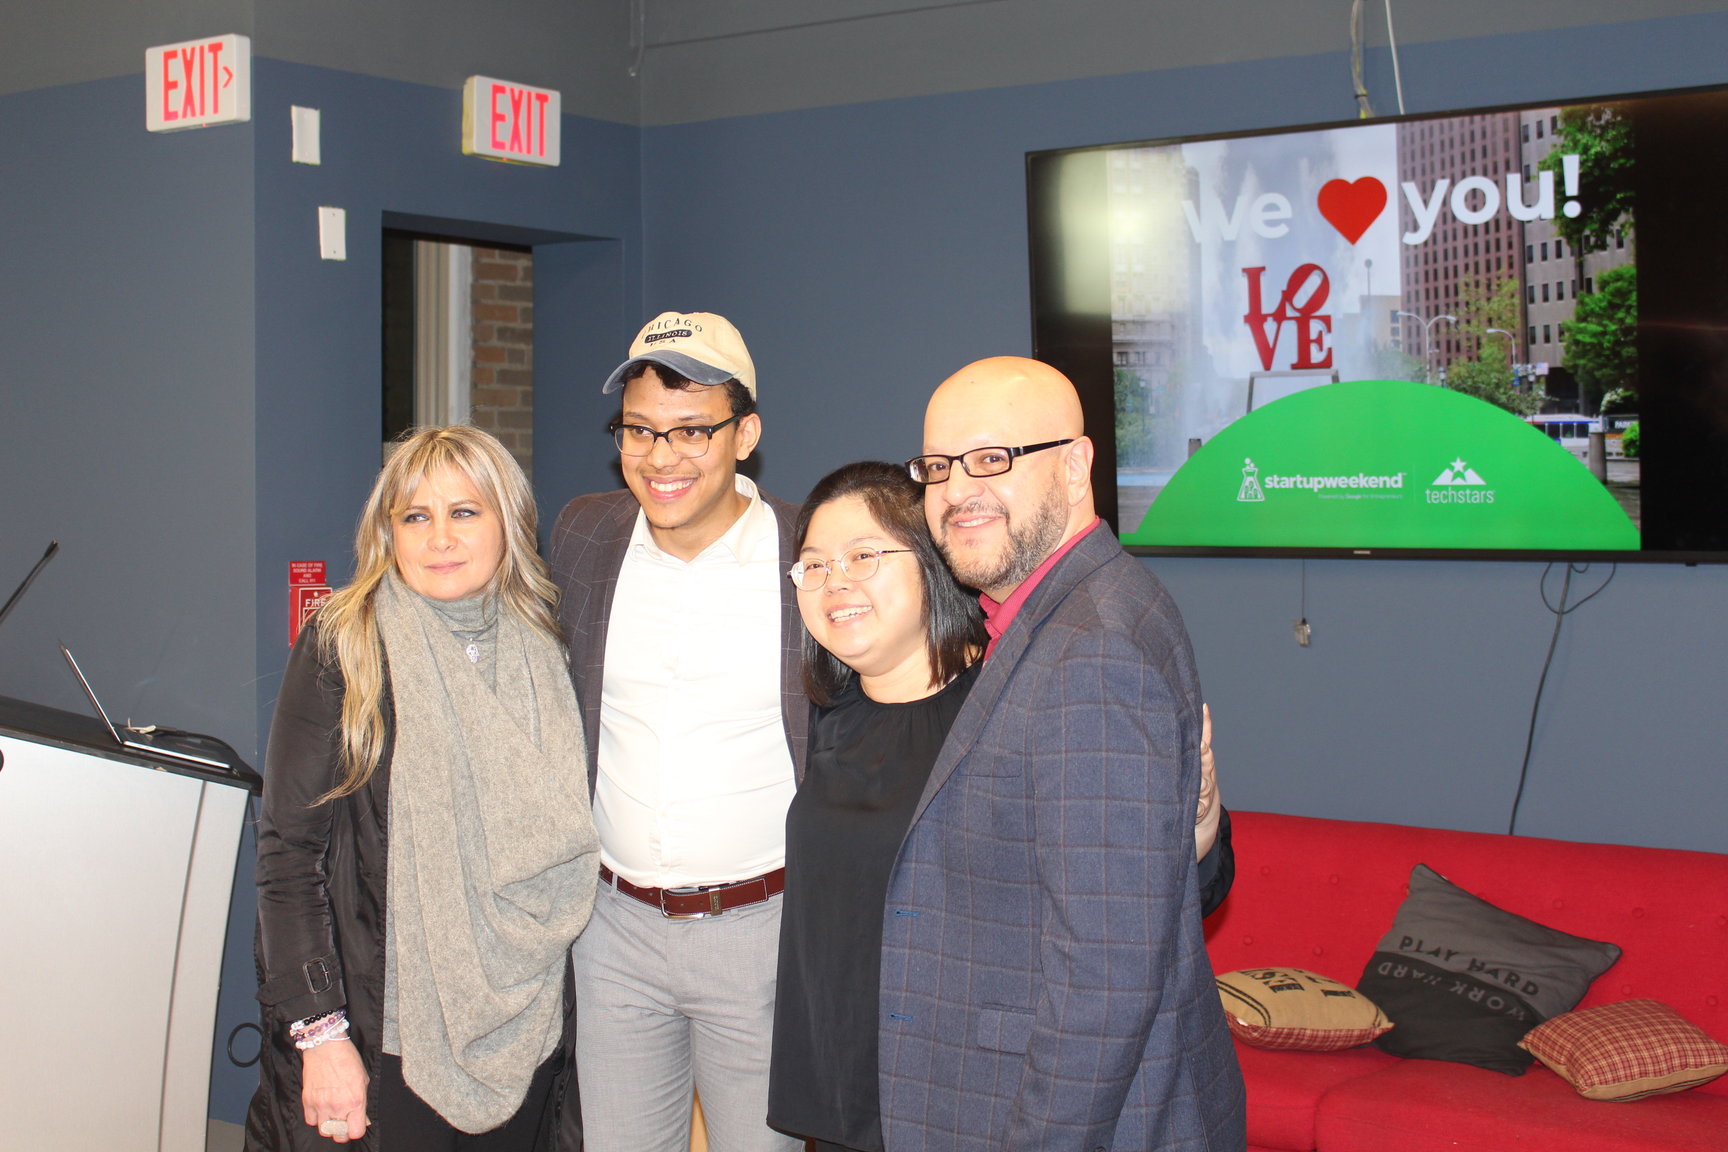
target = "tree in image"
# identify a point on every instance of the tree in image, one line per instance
(1602, 336)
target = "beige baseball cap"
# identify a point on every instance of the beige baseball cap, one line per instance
(699, 345)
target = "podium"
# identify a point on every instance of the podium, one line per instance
(115, 874)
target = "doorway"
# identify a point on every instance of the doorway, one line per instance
(458, 338)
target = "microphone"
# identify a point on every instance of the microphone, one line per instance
(53, 547)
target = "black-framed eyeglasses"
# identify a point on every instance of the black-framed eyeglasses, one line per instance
(858, 563)
(980, 462)
(688, 440)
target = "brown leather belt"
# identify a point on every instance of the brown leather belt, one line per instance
(697, 903)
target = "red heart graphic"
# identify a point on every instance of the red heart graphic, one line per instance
(1351, 206)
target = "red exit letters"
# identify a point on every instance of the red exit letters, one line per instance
(519, 120)
(508, 121)
(198, 82)
(197, 92)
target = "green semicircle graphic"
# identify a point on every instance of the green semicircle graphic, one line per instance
(1385, 464)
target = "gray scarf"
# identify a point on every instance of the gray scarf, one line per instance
(492, 857)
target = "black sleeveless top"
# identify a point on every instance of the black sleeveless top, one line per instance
(867, 768)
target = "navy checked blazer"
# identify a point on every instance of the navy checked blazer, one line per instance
(1045, 983)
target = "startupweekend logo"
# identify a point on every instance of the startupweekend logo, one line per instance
(1335, 486)
(1458, 483)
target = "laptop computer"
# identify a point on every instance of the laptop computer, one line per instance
(141, 741)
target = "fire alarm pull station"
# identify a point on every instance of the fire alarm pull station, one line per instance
(307, 590)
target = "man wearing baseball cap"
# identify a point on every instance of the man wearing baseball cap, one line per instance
(684, 647)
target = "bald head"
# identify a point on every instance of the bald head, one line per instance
(996, 530)
(1012, 396)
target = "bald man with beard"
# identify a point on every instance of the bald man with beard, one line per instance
(1045, 983)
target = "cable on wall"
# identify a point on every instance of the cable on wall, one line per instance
(1358, 84)
(1560, 611)
(1364, 109)
(638, 34)
(244, 1026)
(785, 18)
(1397, 76)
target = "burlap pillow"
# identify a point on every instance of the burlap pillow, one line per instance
(1627, 1051)
(1297, 1010)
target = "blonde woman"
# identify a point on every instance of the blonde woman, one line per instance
(426, 854)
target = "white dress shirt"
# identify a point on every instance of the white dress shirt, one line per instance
(694, 775)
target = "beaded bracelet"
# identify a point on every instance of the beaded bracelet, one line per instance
(316, 1030)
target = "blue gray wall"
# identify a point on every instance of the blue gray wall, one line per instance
(868, 250)
(126, 408)
(127, 335)
(188, 395)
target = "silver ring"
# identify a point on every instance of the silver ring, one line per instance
(333, 1128)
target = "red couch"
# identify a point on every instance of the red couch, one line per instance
(1319, 894)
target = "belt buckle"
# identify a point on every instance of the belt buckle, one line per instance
(714, 906)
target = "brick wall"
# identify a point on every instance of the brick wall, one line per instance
(503, 373)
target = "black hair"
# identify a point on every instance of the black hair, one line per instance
(953, 622)
(737, 395)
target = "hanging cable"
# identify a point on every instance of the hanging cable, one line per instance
(638, 34)
(1364, 110)
(1560, 612)
(1397, 76)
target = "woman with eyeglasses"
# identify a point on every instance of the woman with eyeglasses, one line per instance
(892, 647)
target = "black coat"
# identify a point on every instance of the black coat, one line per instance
(322, 880)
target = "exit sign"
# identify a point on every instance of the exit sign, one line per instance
(198, 82)
(507, 121)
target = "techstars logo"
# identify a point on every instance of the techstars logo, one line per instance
(1459, 472)
(1458, 483)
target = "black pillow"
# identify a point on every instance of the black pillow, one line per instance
(1464, 981)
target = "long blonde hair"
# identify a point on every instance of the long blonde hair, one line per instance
(347, 623)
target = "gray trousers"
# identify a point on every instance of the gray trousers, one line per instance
(663, 1006)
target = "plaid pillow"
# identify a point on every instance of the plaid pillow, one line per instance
(1627, 1051)
(1297, 1010)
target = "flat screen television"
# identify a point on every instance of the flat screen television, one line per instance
(1499, 333)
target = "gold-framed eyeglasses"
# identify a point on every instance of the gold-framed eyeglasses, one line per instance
(858, 563)
(688, 440)
(980, 462)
